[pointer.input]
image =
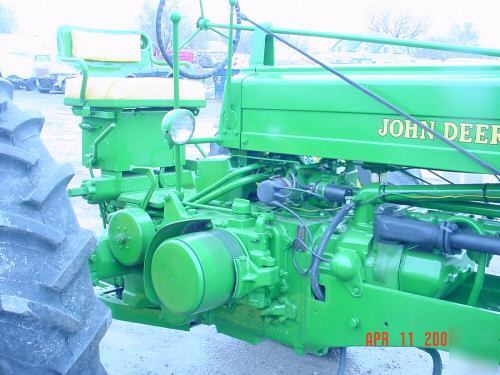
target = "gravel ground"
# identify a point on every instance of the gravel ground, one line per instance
(132, 349)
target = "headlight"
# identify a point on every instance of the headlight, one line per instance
(178, 126)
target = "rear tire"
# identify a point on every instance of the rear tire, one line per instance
(50, 320)
(15, 81)
(63, 87)
(31, 84)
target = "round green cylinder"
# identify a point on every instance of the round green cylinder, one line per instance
(195, 272)
(130, 231)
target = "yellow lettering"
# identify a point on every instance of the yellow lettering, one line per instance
(383, 130)
(411, 129)
(425, 133)
(465, 132)
(481, 133)
(392, 128)
(450, 130)
(495, 134)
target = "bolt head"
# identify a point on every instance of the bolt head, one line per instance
(175, 16)
(354, 322)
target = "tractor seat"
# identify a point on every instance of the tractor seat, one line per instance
(120, 92)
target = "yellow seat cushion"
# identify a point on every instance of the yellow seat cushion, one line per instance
(96, 46)
(141, 89)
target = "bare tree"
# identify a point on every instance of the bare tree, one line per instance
(7, 20)
(465, 35)
(147, 22)
(397, 25)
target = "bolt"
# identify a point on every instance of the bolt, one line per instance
(356, 291)
(121, 238)
(354, 322)
(202, 23)
(93, 258)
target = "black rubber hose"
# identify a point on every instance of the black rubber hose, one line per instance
(217, 69)
(334, 223)
(391, 228)
(437, 364)
(475, 242)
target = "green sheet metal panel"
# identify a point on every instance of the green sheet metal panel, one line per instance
(136, 140)
(134, 103)
(310, 112)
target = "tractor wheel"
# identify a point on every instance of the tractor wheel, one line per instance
(50, 320)
(15, 81)
(30, 84)
(63, 86)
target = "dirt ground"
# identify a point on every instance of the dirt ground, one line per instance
(132, 349)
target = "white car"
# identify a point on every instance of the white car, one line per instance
(19, 70)
(35, 71)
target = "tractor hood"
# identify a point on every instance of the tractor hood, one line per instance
(305, 111)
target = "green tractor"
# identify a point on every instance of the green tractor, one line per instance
(312, 222)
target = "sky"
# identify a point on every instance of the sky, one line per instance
(42, 17)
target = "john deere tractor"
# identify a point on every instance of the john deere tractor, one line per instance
(312, 222)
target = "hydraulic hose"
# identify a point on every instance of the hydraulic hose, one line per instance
(334, 223)
(445, 236)
(230, 176)
(243, 181)
(161, 44)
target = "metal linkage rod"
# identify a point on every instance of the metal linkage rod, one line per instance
(378, 98)
(472, 50)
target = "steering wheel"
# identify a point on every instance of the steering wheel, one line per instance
(201, 25)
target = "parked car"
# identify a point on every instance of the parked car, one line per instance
(55, 80)
(19, 70)
(35, 71)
